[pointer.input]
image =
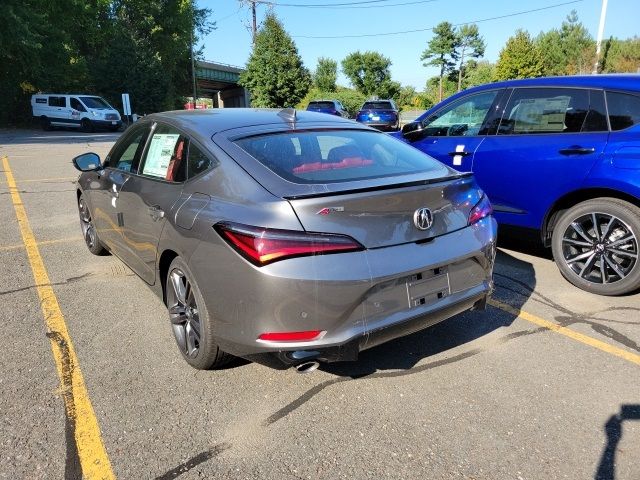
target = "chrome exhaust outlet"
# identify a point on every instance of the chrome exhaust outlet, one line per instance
(307, 367)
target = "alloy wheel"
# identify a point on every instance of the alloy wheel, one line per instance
(88, 230)
(600, 248)
(183, 312)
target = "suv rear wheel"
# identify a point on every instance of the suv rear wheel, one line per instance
(595, 245)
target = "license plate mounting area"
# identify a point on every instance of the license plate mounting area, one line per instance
(428, 286)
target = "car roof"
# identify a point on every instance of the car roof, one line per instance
(206, 123)
(614, 81)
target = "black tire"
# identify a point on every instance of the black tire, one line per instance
(89, 231)
(45, 123)
(604, 260)
(114, 128)
(190, 320)
(86, 125)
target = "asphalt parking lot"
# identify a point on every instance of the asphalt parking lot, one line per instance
(542, 385)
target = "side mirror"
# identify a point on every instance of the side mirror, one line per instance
(87, 162)
(413, 131)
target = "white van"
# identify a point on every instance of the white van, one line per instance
(81, 111)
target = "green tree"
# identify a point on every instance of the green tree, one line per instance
(406, 98)
(471, 45)
(435, 87)
(568, 50)
(441, 51)
(275, 75)
(520, 58)
(369, 73)
(621, 56)
(478, 73)
(326, 74)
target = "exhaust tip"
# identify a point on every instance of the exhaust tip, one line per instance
(307, 367)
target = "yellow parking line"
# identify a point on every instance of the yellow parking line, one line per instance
(32, 180)
(19, 246)
(91, 451)
(567, 332)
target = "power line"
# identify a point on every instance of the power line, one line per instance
(431, 28)
(342, 6)
(317, 5)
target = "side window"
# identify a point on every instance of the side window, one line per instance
(126, 156)
(198, 161)
(596, 120)
(76, 105)
(166, 155)
(463, 117)
(57, 101)
(545, 110)
(624, 110)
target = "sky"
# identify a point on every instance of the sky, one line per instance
(230, 42)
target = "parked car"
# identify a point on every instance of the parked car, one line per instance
(560, 156)
(380, 114)
(87, 112)
(294, 237)
(332, 107)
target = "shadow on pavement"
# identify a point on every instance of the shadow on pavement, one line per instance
(613, 430)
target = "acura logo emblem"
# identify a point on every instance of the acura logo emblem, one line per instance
(423, 218)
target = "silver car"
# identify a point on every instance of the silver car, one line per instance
(284, 237)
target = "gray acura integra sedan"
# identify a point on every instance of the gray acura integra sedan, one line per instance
(284, 237)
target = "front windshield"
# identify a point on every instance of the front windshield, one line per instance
(332, 156)
(96, 103)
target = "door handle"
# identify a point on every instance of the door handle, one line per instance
(156, 213)
(576, 150)
(462, 154)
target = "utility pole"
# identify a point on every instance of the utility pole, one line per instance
(193, 61)
(603, 14)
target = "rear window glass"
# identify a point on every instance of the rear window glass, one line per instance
(377, 106)
(624, 110)
(321, 105)
(333, 156)
(95, 102)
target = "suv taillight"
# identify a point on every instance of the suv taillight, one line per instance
(262, 246)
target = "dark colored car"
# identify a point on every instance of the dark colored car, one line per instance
(285, 238)
(332, 107)
(560, 156)
(380, 114)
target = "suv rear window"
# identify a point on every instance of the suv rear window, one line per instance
(377, 106)
(321, 105)
(333, 156)
(624, 110)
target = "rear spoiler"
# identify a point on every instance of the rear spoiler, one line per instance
(415, 183)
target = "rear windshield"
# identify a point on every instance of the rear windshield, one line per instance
(95, 102)
(321, 105)
(377, 106)
(332, 156)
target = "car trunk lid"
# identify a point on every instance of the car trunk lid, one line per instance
(389, 215)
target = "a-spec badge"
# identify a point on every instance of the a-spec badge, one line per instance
(423, 218)
(328, 210)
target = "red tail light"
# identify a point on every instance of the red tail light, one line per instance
(292, 336)
(264, 245)
(481, 210)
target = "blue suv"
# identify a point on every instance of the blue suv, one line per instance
(560, 156)
(380, 114)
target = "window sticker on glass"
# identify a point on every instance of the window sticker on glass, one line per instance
(540, 114)
(161, 149)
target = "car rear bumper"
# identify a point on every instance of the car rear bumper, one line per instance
(359, 299)
(391, 125)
